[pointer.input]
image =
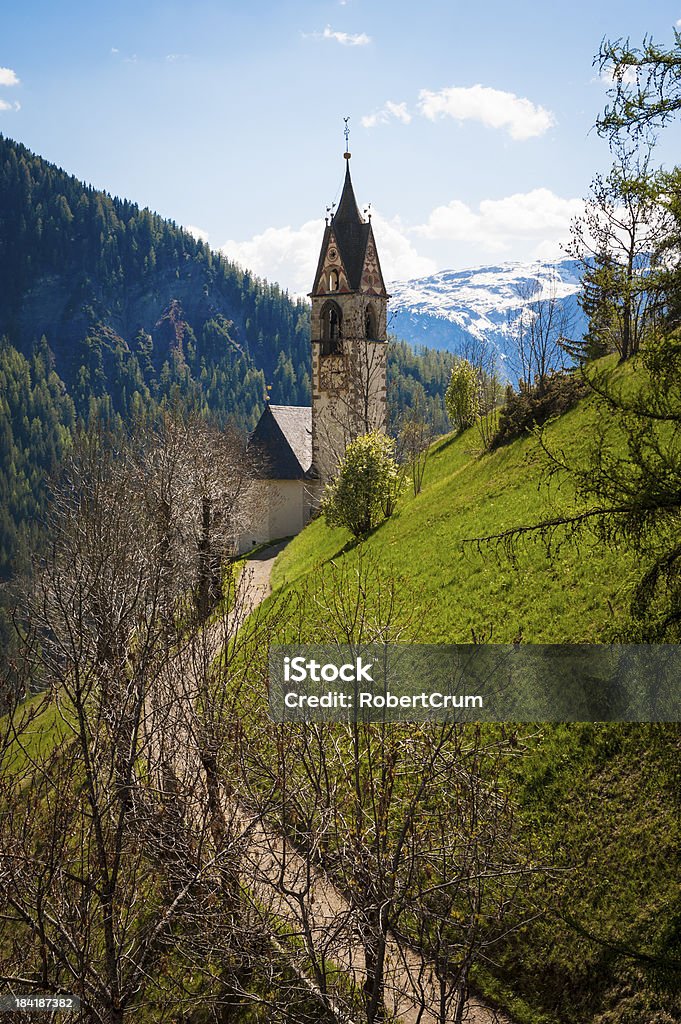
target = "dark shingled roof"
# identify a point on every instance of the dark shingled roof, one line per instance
(351, 233)
(348, 210)
(282, 442)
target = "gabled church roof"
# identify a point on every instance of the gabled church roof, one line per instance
(282, 442)
(352, 234)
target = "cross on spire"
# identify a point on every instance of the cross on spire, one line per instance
(346, 132)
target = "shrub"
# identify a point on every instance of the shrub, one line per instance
(533, 406)
(462, 395)
(366, 488)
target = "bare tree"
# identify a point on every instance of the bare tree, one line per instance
(540, 331)
(470, 871)
(413, 444)
(485, 361)
(406, 823)
(121, 866)
(200, 489)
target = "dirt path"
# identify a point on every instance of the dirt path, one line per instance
(259, 570)
(318, 917)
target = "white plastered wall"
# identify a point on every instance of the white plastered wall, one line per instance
(284, 509)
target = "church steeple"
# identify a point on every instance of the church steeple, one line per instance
(349, 333)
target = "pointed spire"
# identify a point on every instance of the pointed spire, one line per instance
(348, 211)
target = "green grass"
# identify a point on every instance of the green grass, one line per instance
(580, 594)
(41, 726)
(598, 804)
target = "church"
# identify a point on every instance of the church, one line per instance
(297, 449)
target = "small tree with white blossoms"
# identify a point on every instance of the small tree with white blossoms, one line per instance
(367, 485)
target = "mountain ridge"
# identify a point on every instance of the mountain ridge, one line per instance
(456, 310)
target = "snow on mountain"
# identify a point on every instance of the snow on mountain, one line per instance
(455, 309)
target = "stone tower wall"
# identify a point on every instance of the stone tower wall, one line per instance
(348, 389)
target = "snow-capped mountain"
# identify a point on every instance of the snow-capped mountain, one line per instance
(457, 308)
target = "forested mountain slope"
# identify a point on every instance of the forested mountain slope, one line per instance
(130, 302)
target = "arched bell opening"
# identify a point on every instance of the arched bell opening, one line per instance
(370, 323)
(332, 329)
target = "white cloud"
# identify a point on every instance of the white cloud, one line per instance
(520, 117)
(196, 232)
(286, 255)
(8, 77)
(345, 38)
(132, 59)
(399, 259)
(550, 249)
(498, 224)
(607, 76)
(4, 105)
(454, 222)
(525, 225)
(678, 23)
(289, 255)
(383, 116)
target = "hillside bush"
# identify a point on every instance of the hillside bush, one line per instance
(473, 395)
(533, 406)
(462, 396)
(366, 488)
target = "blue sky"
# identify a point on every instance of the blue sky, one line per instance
(471, 122)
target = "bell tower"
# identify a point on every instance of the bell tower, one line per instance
(349, 336)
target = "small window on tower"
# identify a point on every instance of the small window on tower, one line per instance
(331, 324)
(333, 280)
(370, 326)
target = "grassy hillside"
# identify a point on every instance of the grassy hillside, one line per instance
(597, 804)
(579, 594)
